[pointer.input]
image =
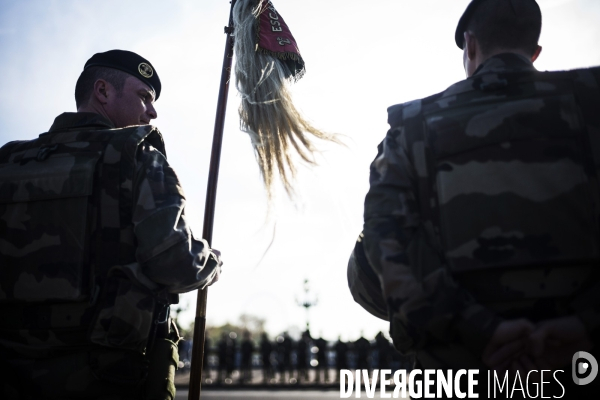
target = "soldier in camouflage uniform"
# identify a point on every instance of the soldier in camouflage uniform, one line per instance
(94, 246)
(482, 219)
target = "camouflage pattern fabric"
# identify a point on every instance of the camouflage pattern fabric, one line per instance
(364, 283)
(93, 239)
(484, 205)
(99, 374)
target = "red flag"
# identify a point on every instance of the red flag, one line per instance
(276, 39)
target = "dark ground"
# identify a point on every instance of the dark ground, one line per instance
(237, 394)
(280, 388)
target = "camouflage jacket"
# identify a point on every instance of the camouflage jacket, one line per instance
(93, 236)
(484, 205)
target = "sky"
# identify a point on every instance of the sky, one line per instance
(361, 57)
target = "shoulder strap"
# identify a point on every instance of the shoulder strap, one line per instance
(115, 238)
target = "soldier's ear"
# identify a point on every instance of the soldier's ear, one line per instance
(100, 91)
(536, 54)
(471, 46)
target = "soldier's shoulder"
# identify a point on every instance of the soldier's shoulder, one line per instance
(11, 148)
(148, 152)
(583, 75)
(13, 144)
(147, 140)
(153, 140)
(141, 132)
(594, 70)
(399, 113)
(588, 77)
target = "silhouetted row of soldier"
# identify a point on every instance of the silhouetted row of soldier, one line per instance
(284, 360)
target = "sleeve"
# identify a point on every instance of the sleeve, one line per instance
(167, 250)
(586, 305)
(364, 283)
(425, 303)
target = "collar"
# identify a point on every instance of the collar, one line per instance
(80, 120)
(505, 62)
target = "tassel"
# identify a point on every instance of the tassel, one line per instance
(278, 131)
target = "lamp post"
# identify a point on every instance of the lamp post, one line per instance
(308, 301)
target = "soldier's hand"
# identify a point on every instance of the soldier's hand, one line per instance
(216, 255)
(555, 341)
(508, 343)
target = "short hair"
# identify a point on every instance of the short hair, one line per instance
(85, 84)
(507, 24)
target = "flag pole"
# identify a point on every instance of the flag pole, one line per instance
(209, 210)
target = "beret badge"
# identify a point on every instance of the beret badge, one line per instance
(145, 70)
(128, 62)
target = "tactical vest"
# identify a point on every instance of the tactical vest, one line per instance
(66, 239)
(507, 167)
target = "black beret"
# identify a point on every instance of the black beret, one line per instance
(129, 62)
(465, 19)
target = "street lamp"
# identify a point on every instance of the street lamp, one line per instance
(308, 301)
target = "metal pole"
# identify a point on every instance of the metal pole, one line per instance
(209, 210)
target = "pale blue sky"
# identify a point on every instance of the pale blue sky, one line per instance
(361, 57)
